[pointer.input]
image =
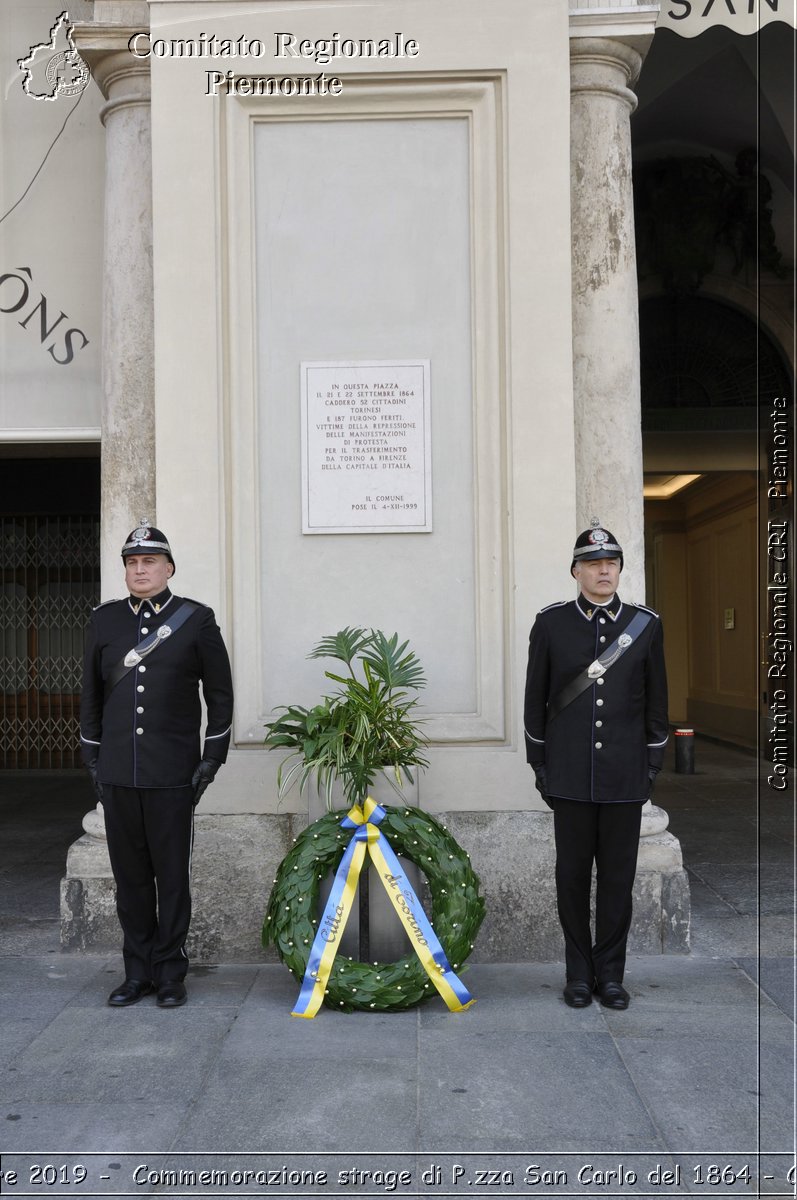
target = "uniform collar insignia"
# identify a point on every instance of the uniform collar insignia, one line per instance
(158, 602)
(584, 606)
(613, 607)
(590, 610)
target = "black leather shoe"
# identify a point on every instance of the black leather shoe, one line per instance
(171, 994)
(577, 994)
(613, 995)
(129, 992)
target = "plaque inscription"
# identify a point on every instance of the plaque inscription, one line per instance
(366, 447)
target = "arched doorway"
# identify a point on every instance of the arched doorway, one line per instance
(714, 205)
(710, 374)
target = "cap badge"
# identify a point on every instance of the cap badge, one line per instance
(598, 536)
(141, 534)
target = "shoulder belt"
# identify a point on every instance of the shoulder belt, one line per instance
(600, 666)
(150, 643)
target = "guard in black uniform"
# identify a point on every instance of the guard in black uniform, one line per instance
(140, 717)
(596, 727)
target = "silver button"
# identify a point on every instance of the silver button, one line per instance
(603, 639)
(144, 669)
(600, 681)
(147, 616)
(144, 629)
(140, 687)
(602, 620)
(599, 702)
(598, 724)
(598, 745)
(141, 710)
(139, 730)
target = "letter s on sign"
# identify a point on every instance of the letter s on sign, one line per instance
(70, 353)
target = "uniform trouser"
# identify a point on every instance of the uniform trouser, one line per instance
(607, 834)
(150, 833)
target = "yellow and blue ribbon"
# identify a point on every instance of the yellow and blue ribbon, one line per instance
(368, 839)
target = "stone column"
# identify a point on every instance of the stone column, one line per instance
(608, 437)
(128, 417)
(608, 421)
(128, 413)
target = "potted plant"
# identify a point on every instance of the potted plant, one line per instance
(366, 726)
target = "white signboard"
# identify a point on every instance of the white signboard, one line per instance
(366, 447)
(692, 17)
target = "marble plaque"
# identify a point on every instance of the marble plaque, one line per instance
(366, 447)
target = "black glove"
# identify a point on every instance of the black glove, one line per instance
(541, 783)
(203, 775)
(95, 780)
(652, 773)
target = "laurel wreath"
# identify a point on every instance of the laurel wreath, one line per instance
(291, 920)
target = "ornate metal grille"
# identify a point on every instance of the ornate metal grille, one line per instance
(705, 366)
(49, 582)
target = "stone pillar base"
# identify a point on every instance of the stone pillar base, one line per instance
(236, 858)
(233, 866)
(88, 897)
(514, 856)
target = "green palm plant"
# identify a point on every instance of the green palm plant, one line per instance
(366, 726)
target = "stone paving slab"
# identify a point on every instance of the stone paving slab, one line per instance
(775, 977)
(690, 981)
(515, 997)
(20, 937)
(776, 1081)
(776, 821)
(688, 793)
(646, 1018)
(273, 987)
(266, 1097)
(711, 904)
(17, 846)
(272, 1038)
(699, 1094)
(739, 885)
(89, 1053)
(729, 936)
(35, 885)
(33, 991)
(515, 1091)
(33, 1126)
(294, 1074)
(713, 844)
(35, 978)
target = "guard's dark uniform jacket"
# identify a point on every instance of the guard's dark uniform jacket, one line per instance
(145, 731)
(600, 746)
